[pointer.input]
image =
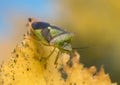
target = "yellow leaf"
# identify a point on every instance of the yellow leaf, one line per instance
(27, 66)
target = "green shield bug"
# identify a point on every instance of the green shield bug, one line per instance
(52, 36)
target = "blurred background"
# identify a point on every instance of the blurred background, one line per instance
(96, 24)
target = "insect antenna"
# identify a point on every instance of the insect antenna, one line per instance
(78, 48)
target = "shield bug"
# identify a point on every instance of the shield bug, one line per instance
(52, 36)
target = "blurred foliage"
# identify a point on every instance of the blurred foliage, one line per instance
(96, 24)
(28, 66)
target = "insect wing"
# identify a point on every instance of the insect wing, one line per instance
(54, 32)
(57, 28)
(62, 41)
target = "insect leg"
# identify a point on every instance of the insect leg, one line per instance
(50, 53)
(57, 57)
(69, 62)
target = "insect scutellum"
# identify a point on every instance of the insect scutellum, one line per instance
(52, 36)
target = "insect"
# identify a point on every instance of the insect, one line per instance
(52, 36)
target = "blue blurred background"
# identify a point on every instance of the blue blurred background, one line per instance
(96, 24)
(13, 18)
